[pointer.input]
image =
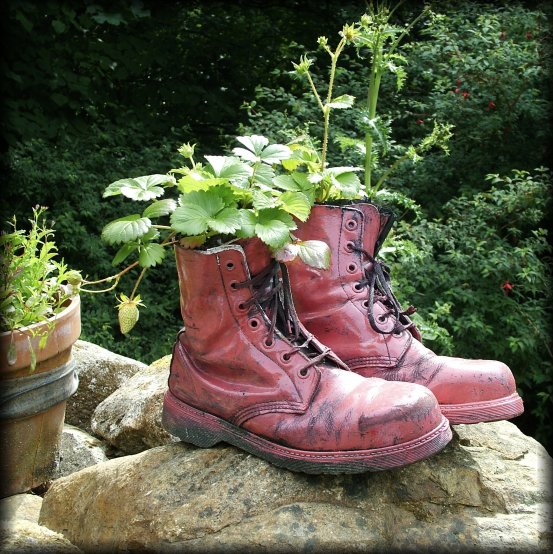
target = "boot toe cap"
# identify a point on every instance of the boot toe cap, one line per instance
(461, 381)
(401, 413)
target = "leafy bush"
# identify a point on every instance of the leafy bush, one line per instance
(482, 68)
(480, 276)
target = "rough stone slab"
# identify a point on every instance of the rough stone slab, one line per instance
(130, 418)
(20, 506)
(488, 491)
(100, 373)
(20, 531)
(78, 450)
(26, 537)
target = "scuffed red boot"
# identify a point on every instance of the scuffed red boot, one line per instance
(352, 309)
(246, 372)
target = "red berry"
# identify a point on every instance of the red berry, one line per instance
(458, 82)
(528, 35)
(507, 287)
(491, 105)
(465, 94)
(420, 121)
(456, 91)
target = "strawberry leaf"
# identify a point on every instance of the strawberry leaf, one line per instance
(229, 167)
(147, 187)
(124, 252)
(273, 227)
(297, 204)
(150, 254)
(160, 208)
(126, 229)
(314, 253)
(227, 221)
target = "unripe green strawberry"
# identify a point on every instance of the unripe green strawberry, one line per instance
(128, 312)
(73, 277)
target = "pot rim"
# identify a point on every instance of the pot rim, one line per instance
(74, 303)
(62, 332)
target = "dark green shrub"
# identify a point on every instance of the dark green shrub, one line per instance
(480, 276)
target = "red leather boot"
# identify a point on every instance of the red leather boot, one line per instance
(246, 372)
(352, 309)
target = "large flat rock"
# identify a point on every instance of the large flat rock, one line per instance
(488, 491)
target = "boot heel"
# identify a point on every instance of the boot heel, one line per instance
(185, 423)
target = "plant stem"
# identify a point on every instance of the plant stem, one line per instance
(137, 282)
(326, 108)
(117, 277)
(372, 100)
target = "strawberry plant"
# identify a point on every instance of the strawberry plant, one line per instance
(256, 192)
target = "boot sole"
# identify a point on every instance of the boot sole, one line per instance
(205, 430)
(480, 412)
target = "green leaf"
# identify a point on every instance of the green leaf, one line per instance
(286, 182)
(341, 102)
(314, 253)
(190, 220)
(249, 220)
(348, 184)
(204, 209)
(254, 143)
(140, 188)
(263, 200)
(151, 254)
(208, 200)
(264, 174)
(275, 233)
(124, 252)
(274, 153)
(196, 181)
(258, 149)
(296, 203)
(160, 208)
(229, 167)
(227, 221)
(126, 229)
(273, 227)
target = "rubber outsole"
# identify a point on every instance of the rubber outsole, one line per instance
(480, 412)
(205, 430)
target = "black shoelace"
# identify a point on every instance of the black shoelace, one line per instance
(272, 295)
(377, 280)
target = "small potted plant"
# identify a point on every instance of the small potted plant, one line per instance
(39, 322)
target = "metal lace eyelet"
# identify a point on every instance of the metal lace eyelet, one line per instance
(358, 287)
(351, 224)
(286, 357)
(253, 323)
(381, 318)
(352, 268)
(230, 266)
(349, 246)
(241, 307)
(303, 372)
(268, 343)
(365, 303)
(233, 285)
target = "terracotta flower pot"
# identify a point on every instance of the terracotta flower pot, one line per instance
(32, 403)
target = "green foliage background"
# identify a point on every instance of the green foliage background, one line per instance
(94, 92)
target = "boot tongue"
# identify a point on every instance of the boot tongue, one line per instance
(371, 226)
(257, 254)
